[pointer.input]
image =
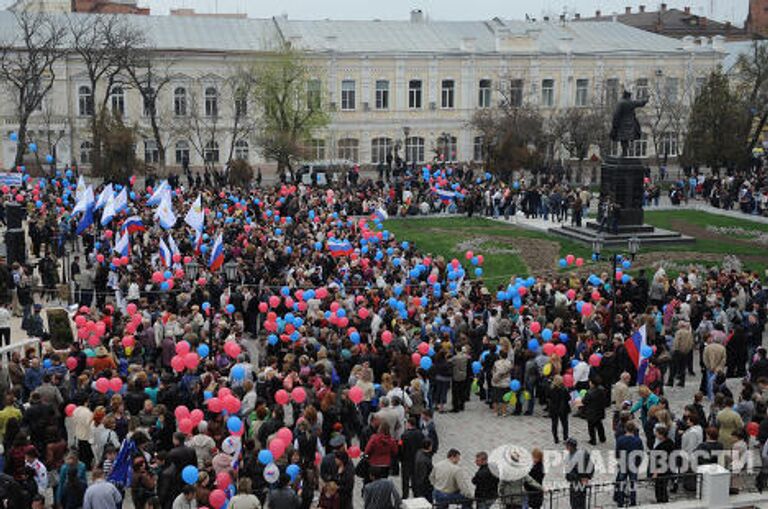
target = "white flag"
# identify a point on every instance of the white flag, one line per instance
(195, 216)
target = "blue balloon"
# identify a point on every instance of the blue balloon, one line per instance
(206, 306)
(47, 363)
(355, 337)
(479, 271)
(475, 260)
(293, 470)
(164, 286)
(14, 137)
(533, 345)
(33, 147)
(477, 367)
(190, 474)
(204, 248)
(167, 274)
(546, 334)
(626, 278)
(203, 351)
(234, 424)
(230, 308)
(341, 313)
(563, 337)
(574, 363)
(501, 295)
(272, 339)
(49, 159)
(646, 351)
(238, 372)
(514, 385)
(626, 264)
(563, 262)
(426, 363)
(265, 457)
(207, 395)
(405, 245)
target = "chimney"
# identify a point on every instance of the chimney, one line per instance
(663, 7)
(627, 10)
(642, 8)
(598, 13)
(546, 19)
(577, 16)
(417, 16)
(687, 9)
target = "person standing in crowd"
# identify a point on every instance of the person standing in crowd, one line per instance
(451, 484)
(579, 471)
(593, 409)
(660, 467)
(486, 484)
(559, 406)
(629, 456)
(100, 493)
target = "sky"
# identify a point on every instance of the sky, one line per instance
(731, 10)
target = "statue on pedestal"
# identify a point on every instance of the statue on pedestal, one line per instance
(625, 127)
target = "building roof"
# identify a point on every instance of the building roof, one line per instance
(734, 51)
(675, 23)
(494, 36)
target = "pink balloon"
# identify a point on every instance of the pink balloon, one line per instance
(571, 294)
(115, 384)
(176, 258)
(94, 341)
(157, 277)
(217, 498)
(423, 348)
(232, 349)
(263, 306)
(535, 327)
(468, 255)
(182, 347)
(181, 412)
(415, 358)
(568, 380)
(560, 350)
(185, 425)
(177, 363)
(223, 480)
(215, 405)
(71, 363)
(70, 409)
(596, 295)
(356, 395)
(102, 385)
(285, 435)
(362, 313)
(277, 447)
(191, 360)
(586, 309)
(579, 262)
(80, 321)
(321, 293)
(129, 341)
(274, 301)
(131, 308)
(231, 404)
(594, 360)
(570, 259)
(354, 452)
(196, 416)
(386, 337)
(548, 348)
(282, 397)
(298, 395)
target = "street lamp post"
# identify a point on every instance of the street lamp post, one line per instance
(633, 246)
(230, 271)
(192, 269)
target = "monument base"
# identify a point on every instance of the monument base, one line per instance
(621, 185)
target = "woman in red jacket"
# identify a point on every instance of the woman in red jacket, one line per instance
(381, 449)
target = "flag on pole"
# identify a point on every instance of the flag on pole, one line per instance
(635, 344)
(121, 201)
(81, 188)
(198, 241)
(133, 224)
(83, 201)
(104, 196)
(381, 214)
(164, 213)
(86, 220)
(109, 211)
(340, 247)
(445, 195)
(159, 194)
(165, 254)
(121, 246)
(217, 254)
(172, 245)
(122, 468)
(195, 217)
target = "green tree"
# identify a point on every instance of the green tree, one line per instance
(719, 126)
(290, 109)
(118, 156)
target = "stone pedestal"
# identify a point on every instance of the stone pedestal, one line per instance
(621, 181)
(715, 484)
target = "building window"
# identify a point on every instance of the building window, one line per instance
(182, 152)
(180, 102)
(414, 149)
(382, 94)
(241, 104)
(211, 152)
(241, 150)
(148, 102)
(380, 147)
(670, 90)
(611, 91)
(316, 149)
(668, 145)
(211, 102)
(86, 148)
(637, 149)
(313, 94)
(516, 93)
(641, 89)
(348, 148)
(484, 94)
(478, 154)
(85, 101)
(117, 100)
(582, 92)
(447, 147)
(548, 93)
(699, 85)
(447, 94)
(348, 95)
(151, 153)
(414, 94)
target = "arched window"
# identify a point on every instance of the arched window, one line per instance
(414, 149)
(85, 152)
(241, 150)
(84, 101)
(182, 152)
(180, 102)
(117, 99)
(151, 152)
(211, 152)
(211, 102)
(380, 147)
(348, 148)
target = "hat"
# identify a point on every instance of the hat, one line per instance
(101, 352)
(571, 442)
(509, 462)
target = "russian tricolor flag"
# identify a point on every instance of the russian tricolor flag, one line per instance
(133, 224)
(340, 247)
(381, 214)
(217, 254)
(634, 345)
(165, 254)
(445, 195)
(121, 246)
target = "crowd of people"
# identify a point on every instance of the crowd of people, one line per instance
(289, 348)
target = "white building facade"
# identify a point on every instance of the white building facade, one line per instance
(414, 84)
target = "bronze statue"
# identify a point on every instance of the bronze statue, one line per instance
(625, 127)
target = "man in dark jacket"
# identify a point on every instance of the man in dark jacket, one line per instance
(181, 455)
(421, 469)
(283, 497)
(486, 484)
(593, 409)
(629, 455)
(412, 441)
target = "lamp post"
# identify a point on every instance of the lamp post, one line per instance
(192, 269)
(633, 246)
(230, 271)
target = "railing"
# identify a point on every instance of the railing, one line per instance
(598, 495)
(5, 352)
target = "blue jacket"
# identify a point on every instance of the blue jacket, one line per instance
(63, 472)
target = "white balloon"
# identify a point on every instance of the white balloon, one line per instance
(271, 473)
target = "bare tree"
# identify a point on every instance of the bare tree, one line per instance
(578, 129)
(27, 61)
(240, 86)
(752, 73)
(107, 47)
(666, 115)
(199, 127)
(149, 76)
